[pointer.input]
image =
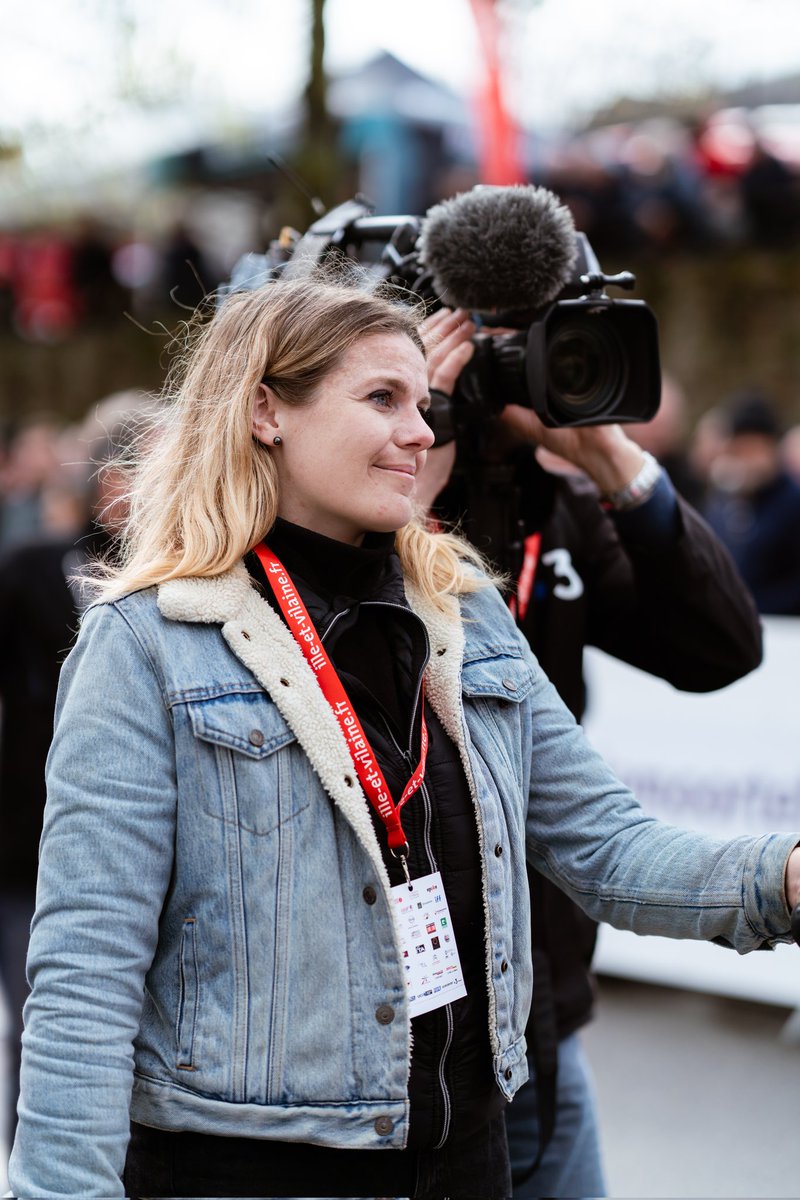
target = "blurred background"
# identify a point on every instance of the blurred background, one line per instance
(142, 147)
(145, 146)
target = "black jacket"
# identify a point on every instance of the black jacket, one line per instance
(653, 587)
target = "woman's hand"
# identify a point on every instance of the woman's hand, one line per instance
(792, 882)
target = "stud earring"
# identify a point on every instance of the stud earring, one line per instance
(277, 440)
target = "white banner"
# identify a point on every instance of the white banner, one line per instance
(724, 762)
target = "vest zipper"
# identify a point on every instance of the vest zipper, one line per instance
(407, 756)
(415, 705)
(442, 1081)
(408, 759)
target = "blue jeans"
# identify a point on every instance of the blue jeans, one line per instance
(16, 912)
(571, 1165)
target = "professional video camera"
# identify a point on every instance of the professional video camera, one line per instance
(511, 257)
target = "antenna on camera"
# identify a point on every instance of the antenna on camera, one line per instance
(318, 205)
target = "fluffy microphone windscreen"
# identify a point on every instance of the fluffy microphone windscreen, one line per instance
(499, 248)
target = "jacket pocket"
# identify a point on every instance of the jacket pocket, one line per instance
(504, 677)
(494, 689)
(188, 996)
(251, 771)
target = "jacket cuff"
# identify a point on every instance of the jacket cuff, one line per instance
(764, 887)
(656, 522)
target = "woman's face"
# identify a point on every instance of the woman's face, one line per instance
(348, 460)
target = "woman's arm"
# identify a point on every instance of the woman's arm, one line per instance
(587, 833)
(106, 859)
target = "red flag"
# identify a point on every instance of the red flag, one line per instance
(499, 152)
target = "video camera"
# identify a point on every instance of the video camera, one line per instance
(513, 257)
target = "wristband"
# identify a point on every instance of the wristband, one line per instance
(640, 488)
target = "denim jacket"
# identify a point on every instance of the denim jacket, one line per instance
(207, 953)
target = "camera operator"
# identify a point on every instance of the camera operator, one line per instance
(615, 559)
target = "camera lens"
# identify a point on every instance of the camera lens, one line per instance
(586, 368)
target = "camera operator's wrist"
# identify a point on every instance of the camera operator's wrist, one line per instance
(639, 490)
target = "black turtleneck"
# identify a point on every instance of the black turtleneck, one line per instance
(333, 569)
(338, 583)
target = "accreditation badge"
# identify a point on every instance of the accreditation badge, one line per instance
(431, 964)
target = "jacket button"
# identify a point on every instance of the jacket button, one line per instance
(384, 1014)
(384, 1125)
(256, 737)
(509, 685)
(504, 966)
(507, 1074)
(498, 850)
(369, 894)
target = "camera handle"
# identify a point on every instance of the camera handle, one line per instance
(596, 281)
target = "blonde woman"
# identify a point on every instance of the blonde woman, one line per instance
(281, 942)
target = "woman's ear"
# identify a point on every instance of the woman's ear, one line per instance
(265, 418)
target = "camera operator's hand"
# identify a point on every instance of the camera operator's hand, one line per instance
(447, 335)
(448, 343)
(604, 452)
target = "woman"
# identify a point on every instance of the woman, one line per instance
(289, 793)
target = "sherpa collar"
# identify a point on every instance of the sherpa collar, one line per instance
(258, 637)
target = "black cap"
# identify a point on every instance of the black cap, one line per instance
(752, 412)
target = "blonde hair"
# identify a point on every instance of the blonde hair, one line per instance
(205, 491)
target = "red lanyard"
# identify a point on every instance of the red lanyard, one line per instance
(519, 602)
(364, 761)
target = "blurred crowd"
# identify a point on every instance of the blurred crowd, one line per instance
(56, 280)
(664, 184)
(738, 466)
(55, 477)
(640, 187)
